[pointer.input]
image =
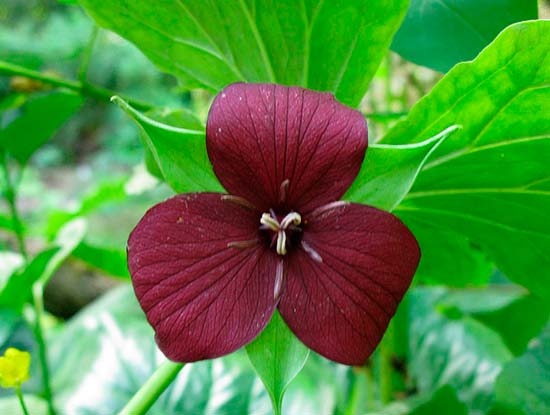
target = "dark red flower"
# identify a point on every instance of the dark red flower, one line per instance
(209, 269)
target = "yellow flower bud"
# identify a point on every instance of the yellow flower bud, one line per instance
(14, 368)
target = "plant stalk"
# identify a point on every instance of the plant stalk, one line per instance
(38, 304)
(142, 401)
(21, 400)
(83, 88)
(11, 199)
(386, 367)
(87, 55)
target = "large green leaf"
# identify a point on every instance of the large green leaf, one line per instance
(387, 174)
(180, 153)
(331, 45)
(38, 119)
(448, 257)
(507, 309)
(490, 181)
(456, 350)
(441, 33)
(278, 356)
(523, 387)
(388, 171)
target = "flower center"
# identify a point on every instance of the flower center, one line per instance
(281, 230)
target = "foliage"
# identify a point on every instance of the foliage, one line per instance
(466, 168)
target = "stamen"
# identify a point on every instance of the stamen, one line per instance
(239, 201)
(270, 222)
(283, 191)
(311, 252)
(279, 276)
(281, 242)
(293, 218)
(329, 207)
(242, 244)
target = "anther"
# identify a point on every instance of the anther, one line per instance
(293, 218)
(313, 254)
(283, 191)
(239, 201)
(270, 222)
(242, 244)
(328, 207)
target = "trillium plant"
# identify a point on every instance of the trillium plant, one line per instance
(327, 207)
(209, 269)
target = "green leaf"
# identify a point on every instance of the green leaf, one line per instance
(179, 152)
(11, 262)
(18, 288)
(331, 45)
(175, 118)
(458, 351)
(12, 101)
(9, 320)
(517, 322)
(6, 222)
(40, 117)
(112, 190)
(448, 257)
(389, 171)
(67, 239)
(442, 401)
(440, 33)
(524, 384)
(490, 181)
(278, 356)
(110, 260)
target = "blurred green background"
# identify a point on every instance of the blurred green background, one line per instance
(454, 351)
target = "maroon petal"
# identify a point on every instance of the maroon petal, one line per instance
(344, 285)
(271, 143)
(200, 275)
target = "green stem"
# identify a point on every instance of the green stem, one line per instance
(82, 88)
(87, 55)
(37, 294)
(21, 400)
(142, 401)
(386, 367)
(370, 386)
(11, 199)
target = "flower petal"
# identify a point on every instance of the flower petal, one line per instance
(265, 141)
(201, 275)
(343, 288)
